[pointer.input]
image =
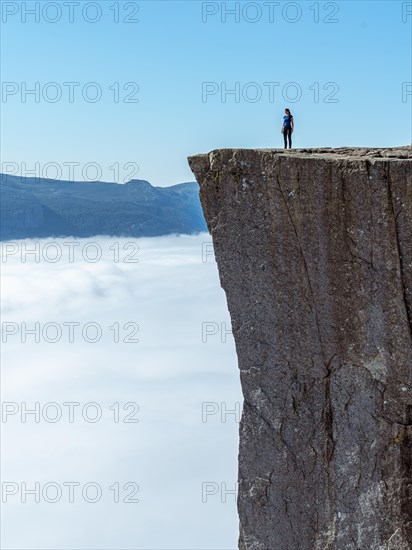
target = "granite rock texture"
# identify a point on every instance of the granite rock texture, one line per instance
(314, 250)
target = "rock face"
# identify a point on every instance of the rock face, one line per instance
(314, 249)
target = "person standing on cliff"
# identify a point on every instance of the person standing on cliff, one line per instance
(287, 128)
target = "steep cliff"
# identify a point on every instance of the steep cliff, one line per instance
(314, 249)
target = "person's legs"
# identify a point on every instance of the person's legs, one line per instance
(285, 135)
(290, 137)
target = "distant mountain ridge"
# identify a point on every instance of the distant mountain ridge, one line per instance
(38, 207)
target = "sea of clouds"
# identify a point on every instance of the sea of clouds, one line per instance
(122, 349)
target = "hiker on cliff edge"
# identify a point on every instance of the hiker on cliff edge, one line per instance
(287, 128)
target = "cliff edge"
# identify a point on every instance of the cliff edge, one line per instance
(314, 250)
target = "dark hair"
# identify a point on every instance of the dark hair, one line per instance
(288, 111)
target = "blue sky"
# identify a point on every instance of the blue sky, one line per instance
(171, 52)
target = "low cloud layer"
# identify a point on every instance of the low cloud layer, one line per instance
(134, 389)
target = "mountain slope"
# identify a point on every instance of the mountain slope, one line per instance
(33, 207)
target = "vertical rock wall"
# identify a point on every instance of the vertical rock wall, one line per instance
(314, 249)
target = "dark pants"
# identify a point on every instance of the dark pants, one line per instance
(287, 135)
